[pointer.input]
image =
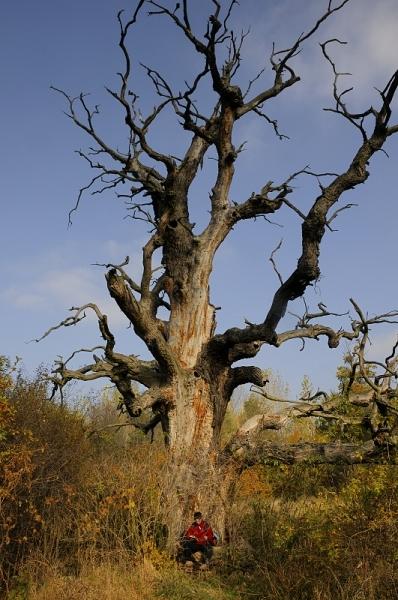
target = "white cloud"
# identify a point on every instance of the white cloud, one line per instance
(369, 28)
(69, 287)
(370, 55)
(56, 281)
(63, 288)
(22, 299)
(371, 31)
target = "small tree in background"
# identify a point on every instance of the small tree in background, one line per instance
(306, 389)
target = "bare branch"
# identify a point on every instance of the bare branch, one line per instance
(90, 350)
(271, 258)
(230, 95)
(381, 116)
(116, 426)
(88, 126)
(119, 268)
(313, 229)
(72, 320)
(272, 122)
(145, 325)
(304, 320)
(338, 211)
(279, 61)
(391, 356)
(341, 108)
(253, 81)
(120, 96)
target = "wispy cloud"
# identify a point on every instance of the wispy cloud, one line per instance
(56, 284)
(60, 290)
(369, 54)
(21, 299)
(70, 287)
(371, 31)
(369, 28)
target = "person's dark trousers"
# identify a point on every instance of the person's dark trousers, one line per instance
(191, 546)
(206, 550)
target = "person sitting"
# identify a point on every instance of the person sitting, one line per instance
(199, 537)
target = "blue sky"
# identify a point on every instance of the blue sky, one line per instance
(46, 267)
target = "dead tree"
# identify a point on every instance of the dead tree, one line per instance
(189, 382)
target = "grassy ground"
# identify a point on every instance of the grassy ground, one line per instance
(112, 582)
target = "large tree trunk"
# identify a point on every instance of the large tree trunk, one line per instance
(199, 397)
(194, 475)
(193, 421)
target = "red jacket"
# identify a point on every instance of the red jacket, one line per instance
(202, 532)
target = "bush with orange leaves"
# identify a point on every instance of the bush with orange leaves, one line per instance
(68, 496)
(40, 443)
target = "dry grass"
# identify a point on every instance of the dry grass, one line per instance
(109, 581)
(105, 581)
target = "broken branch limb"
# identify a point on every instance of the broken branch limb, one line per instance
(248, 454)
